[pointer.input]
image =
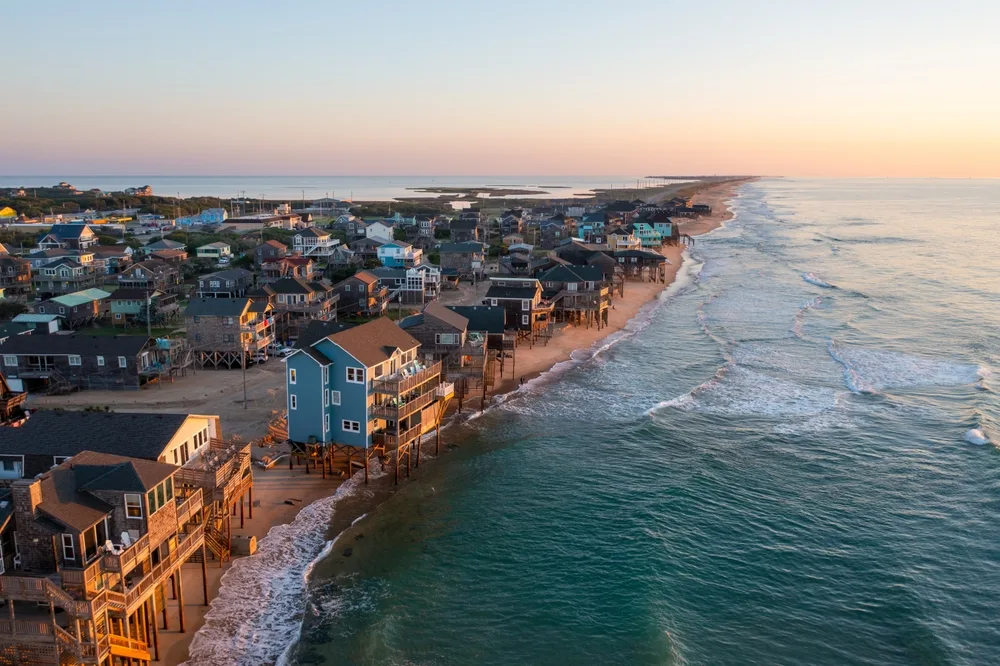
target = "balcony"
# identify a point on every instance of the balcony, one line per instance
(127, 599)
(396, 410)
(407, 378)
(223, 470)
(389, 440)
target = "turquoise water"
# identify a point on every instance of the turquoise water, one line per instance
(773, 466)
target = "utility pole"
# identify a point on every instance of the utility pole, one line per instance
(149, 318)
(245, 351)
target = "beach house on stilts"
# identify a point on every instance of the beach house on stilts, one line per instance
(363, 394)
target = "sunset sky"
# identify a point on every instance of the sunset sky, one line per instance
(874, 88)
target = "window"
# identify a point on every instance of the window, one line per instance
(41, 309)
(74, 359)
(493, 301)
(524, 320)
(291, 375)
(69, 547)
(335, 398)
(351, 426)
(326, 422)
(293, 401)
(525, 304)
(122, 362)
(100, 361)
(62, 310)
(446, 339)
(347, 287)
(9, 360)
(133, 506)
(326, 374)
(118, 315)
(356, 375)
(326, 397)
(59, 460)
(197, 319)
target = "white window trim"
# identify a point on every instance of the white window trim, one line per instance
(525, 304)
(122, 362)
(10, 360)
(138, 504)
(335, 398)
(326, 422)
(524, 320)
(291, 375)
(293, 401)
(326, 397)
(100, 361)
(68, 547)
(74, 359)
(355, 372)
(350, 426)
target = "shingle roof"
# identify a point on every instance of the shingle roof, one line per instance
(317, 329)
(275, 244)
(374, 342)
(134, 294)
(572, 273)
(524, 293)
(314, 232)
(464, 225)
(66, 433)
(217, 307)
(366, 277)
(76, 344)
(467, 246)
(482, 318)
(65, 496)
(66, 231)
(217, 245)
(450, 317)
(289, 285)
(165, 244)
(230, 274)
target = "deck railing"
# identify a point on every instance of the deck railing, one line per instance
(396, 412)
(127, 643)
(389, 441)
(397, 383)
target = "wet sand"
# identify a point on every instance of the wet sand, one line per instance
(274, 487)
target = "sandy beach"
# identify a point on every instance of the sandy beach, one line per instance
(280, 493)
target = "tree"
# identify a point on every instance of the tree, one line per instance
(441, 233)
(10, 309)
(107, 240)
(398, 233)
(371, 262)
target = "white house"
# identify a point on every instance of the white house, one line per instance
(314, 243)
(379, 230)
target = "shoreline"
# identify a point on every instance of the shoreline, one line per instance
(286, 530)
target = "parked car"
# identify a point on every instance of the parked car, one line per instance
(259, 357)
(284, 352)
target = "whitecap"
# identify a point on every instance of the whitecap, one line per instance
(976, 436)
(814, 279)
(872, 370)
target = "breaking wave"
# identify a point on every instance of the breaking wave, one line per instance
(871, 370)
(814, 279)
(258, 612)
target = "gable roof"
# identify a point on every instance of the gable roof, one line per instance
(365, 277)
(216, 245)
(290, 285)
(68, 231)
(316, 330)
(217, 307)
(314, 232)
(464, 225)
(66, 433)
(273, 243)
(64, 490)
(76, 344)
(450, 317)
(229, 274)
(522, 293)
(482, 318)
(374, 342)
(572, 273)
(165, 244)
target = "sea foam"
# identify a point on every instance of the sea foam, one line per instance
(872, 370)
(976, 436)
(814, 279)
(258, 612)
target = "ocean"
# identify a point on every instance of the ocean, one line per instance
(786, 459)
(351, 188)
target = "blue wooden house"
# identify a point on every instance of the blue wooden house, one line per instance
(363, 392)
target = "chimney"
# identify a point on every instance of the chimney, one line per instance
(27, 495)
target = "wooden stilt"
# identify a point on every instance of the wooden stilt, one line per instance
(180, 597)
(166, 615)
(152, 622)
(204, 573)
(250, 508)
(173, 588)
(241, 503)
(437, 439)
(366, 467)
